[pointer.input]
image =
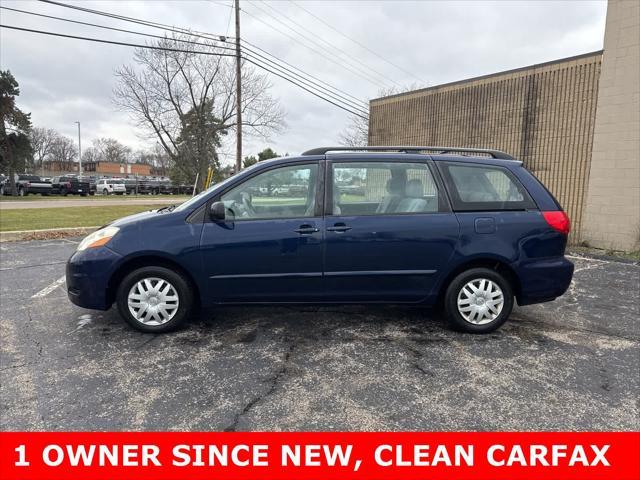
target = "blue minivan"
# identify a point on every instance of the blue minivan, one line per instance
(470, 230)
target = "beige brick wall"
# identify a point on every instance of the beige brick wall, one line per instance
(612, 218)
(543, 115)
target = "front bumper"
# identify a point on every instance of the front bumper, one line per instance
(544, 280)
(88, 273)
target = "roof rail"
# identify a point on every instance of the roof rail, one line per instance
(410, 149)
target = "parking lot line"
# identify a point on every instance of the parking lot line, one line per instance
(49, 288)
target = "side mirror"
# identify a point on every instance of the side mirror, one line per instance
(217, 211)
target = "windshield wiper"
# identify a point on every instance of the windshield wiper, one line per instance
(168, 208)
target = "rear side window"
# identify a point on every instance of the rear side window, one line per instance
(484, 187)
(381, 188)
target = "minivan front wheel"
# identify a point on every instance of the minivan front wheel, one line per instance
(478, 300)
(154, 299)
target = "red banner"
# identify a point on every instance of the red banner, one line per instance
(257, 456)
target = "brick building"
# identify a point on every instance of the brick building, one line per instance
(573, 122)
(114, 169)
(108, 169)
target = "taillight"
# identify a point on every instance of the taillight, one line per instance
(28, 184)
(558, 221)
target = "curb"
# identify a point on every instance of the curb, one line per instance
(45, 234)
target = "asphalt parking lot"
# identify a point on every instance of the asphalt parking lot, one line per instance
(573, 364)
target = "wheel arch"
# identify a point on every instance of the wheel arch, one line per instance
(497, 264)
(148, 260)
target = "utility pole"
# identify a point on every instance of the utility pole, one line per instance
(238, 91)
(79, 152)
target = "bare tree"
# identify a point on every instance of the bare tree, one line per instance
(156, 157)
(42, 140)
(111, 150)
(186, 100)
(64, 150)
(356, 133)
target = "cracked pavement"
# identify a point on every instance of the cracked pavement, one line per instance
(573, 364)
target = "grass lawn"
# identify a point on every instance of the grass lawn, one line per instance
(40, 218)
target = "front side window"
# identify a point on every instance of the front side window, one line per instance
(379, 188)
(485, 187)
(286, 192)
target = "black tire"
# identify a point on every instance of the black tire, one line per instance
(455, 319)
(64, 192)
(105, 192)
(179, 283)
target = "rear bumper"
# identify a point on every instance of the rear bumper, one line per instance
(544, 280)
(88, 274)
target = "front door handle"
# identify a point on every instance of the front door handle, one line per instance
(339, 228)
(306, 229)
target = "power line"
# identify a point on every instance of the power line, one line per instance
(327, 88)
(331, 45)
(355, 72)
(210, 36)
(359, 106)
(230, 16)
(356, 41)
(309, 83)
(110, 28)
(149, 47)
(113, 42)
(357, 100)
(311, 92)
(148, 23)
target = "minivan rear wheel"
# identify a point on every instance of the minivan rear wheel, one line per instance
(154, 299)
(478, 300)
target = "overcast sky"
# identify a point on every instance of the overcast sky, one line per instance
(432, 42)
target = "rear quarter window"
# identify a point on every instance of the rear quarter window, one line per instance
(474, 187)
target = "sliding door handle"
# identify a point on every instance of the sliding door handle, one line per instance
(306, 229)
(339, 227)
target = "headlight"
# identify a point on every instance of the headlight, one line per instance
(98, 238)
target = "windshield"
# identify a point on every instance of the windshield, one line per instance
(194, 200)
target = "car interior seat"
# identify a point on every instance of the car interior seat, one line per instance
(414, 200)
(393, 197)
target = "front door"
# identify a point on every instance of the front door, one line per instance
(389, 232)
(269, 248)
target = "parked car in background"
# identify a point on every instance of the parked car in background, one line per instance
(427, 225)
(146, 186)
(70, 185)
(165, 187)
(26, 184)
(3, 181)
(92, 183)
(181, 189)
(108, 186)
(130, 185)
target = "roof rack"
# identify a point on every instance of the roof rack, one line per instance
(410, 149)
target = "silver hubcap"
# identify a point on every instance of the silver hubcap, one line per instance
(153, 301)
(480, 301)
